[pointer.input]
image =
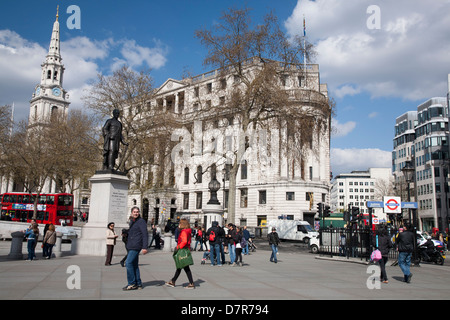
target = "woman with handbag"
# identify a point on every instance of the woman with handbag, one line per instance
(384, 244)
(182, 255)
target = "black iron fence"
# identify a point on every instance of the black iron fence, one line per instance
(349, 243)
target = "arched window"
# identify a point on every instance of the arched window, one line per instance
(186, 175)
(199, 174)
(49, 74)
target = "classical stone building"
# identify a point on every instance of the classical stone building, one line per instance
(271, 181)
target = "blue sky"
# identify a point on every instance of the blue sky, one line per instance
(375, 72)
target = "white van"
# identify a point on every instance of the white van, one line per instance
(293, 230)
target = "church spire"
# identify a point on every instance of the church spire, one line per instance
(49, 95)
(54, 50)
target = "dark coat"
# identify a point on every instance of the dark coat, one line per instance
(384, 244)
(405, 241)
(137, 235)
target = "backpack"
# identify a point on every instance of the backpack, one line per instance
(243, 242)
(212, 236)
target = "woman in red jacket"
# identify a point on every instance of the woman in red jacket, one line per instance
(184, 241)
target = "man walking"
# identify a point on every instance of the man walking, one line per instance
(214, 235)
(137, 242)
(405, 242)
(273, 242)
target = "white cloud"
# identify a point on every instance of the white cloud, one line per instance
(407, 57)
(341, 129)
(346, 90)
(347, 160)
(136, 55)
(21, 59)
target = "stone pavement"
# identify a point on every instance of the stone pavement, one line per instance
(297, 276)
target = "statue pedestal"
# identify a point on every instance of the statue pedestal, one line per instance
(213, 212)
(108, 204)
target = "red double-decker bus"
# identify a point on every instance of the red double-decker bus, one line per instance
(55, 208)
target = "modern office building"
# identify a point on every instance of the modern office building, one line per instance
(422, 142)
(356, 188)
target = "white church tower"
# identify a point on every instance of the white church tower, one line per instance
(49, 97)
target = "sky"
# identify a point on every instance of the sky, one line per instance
(379, 59)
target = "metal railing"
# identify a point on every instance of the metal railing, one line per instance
(349, 243)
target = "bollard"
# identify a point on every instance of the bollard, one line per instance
(73, 245)
(167, 242)
(57, 250)
(15, 252)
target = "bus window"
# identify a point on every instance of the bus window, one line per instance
(30, 214)
(6, 198)
(13, 198)
(42, 199)
(64, 200)
(50, 199)
(19, 198)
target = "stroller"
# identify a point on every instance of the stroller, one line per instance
(206, 256)
(251, 245)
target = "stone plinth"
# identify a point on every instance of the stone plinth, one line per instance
(213, 212)
(108, 204)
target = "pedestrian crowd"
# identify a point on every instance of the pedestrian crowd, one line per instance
(31, 234)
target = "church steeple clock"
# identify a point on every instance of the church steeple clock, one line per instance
(49, 97)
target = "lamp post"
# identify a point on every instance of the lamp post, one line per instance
(408, 172)
(213, 186)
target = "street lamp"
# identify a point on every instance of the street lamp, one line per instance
(213, 186)
(408, 172)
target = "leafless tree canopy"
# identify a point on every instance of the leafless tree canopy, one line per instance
(259, 56)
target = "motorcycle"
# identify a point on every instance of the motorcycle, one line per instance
(430, 252)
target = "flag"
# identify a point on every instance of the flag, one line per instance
(304, 27)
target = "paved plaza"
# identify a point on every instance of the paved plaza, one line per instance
(297, 276)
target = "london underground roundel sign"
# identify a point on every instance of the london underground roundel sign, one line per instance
(392, 204)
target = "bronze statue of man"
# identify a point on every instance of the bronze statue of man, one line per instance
(112, 133)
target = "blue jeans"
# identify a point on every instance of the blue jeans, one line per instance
(132, 264)
(215, 253)
(30, 247)
(273, 256)
(232, 252)
(404, 262)
(245, 249)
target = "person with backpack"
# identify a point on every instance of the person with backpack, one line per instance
(199, 239)
(214, 235)
(240, 245)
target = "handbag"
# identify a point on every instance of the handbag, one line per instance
(376, 254)
(183, 258)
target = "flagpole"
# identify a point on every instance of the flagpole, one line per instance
(304, 46)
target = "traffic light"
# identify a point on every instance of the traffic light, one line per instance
(320, 209)
(355, 213)
(346, 216)
(326, 211)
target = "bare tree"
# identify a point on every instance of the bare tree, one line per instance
(74, 144)
(258, 56)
